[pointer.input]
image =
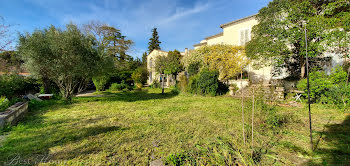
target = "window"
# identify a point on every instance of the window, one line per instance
(150, 77)
(244, 36)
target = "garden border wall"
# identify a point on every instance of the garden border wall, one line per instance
(13, 114)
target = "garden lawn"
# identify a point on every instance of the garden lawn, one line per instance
(135, 128)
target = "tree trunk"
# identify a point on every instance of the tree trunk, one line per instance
(162, 83)
(302, 68)
(46, 84)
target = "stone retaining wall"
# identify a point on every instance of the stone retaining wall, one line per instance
(13, 114)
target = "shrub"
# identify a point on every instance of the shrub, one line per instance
(139, 85)
(155, 84)
(319, 85)
(193, 68)
(4, 103)
(183, 82)
(140, 75)
(330, 89)
(192, 84)
(208, 82)
(15, 85)
(100, 82)
(116, 87)
(121, 86)
(339, 95)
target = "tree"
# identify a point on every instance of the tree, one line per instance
(174, 65)
(227, 59)
(161, 63)
(10, 61)
(70, 64)
(144, 58)
(140, 75)
(154, 42)
(110, 38)
(279, 36)
(5, 36)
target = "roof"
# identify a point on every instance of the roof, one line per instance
(237, 21)
(214, 36)
(157, 50)
(200, 44)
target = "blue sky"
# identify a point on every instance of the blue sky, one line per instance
(180, 23)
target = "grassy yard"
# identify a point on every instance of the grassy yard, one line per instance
(134, 128)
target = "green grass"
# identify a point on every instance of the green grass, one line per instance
(134, 128)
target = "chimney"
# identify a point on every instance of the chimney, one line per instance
(186, 51)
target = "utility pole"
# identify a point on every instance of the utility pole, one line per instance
(308, 90)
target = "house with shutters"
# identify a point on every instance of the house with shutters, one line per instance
(238, 32)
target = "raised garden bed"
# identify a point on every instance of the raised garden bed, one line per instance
(13, 114)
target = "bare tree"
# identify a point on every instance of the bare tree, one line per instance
(5, 36)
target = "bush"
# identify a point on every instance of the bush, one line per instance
(193, 68)
(319, 85)
(192, 84)
(116, 87)
(140, 75)
(330, 89)
(100, 82)
(206, 82)
(339, 95)
(121, 86)
(155, 84)
(183, 82)
(15, 85)
(4, 103)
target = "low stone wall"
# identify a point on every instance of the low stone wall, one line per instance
(13, 114)
(244, 83)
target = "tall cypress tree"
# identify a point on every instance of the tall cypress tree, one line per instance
(144, 58)
(154, 41)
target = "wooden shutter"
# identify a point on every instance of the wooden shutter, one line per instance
(241, 37)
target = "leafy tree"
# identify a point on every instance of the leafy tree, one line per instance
(161, 67)
(111, 39)
(174, 65)
(140, 75)
(279, 37)
(70, 64)
(154, 42)
(227, 59)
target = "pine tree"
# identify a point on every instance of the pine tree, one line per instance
(154, 41)
(144, 58)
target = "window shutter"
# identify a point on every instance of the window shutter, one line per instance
(242, 37)
(246, 36)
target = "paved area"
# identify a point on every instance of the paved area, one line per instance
(89, 93)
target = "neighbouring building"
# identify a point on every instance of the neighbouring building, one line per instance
(155, 76)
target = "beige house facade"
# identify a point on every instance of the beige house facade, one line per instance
(238, 33)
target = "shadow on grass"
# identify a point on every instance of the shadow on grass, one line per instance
(338, 138)
(34, 136)
(131, 96)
